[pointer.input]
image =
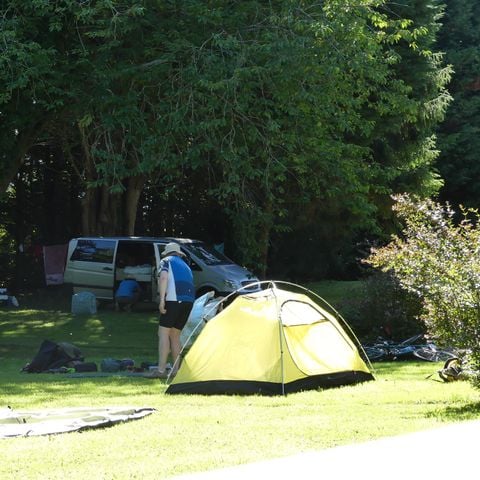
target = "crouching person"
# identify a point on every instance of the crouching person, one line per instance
(127, 294)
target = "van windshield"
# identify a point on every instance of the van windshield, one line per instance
(207, 254)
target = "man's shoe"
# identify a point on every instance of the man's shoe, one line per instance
(156, 374)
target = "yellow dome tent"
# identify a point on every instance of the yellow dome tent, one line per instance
(270, 342)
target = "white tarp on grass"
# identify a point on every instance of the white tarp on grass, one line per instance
(47, 422)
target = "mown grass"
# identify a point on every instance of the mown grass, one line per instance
(194, 433)
(336, 293)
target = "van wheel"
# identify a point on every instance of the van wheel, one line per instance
(204, 290)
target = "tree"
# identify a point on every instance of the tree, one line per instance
(459, 134)
(395, 151)
(438, 260)
(403, 142)
(274, 108)
(284, 103)
(57, 60)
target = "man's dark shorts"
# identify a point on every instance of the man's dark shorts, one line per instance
(176, 316)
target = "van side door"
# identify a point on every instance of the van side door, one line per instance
(91, 266)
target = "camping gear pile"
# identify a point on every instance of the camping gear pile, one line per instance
(55, 357)
(271, 342)
(64, 357)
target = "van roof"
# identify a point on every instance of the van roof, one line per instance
(140, 239)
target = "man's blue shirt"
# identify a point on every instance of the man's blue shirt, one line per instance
(180, 287)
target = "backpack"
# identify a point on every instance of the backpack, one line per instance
(52, 355)
(82, 367)
(113, 365)
(452, 370)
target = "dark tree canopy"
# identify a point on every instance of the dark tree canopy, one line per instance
(459, 139)
(292, 121)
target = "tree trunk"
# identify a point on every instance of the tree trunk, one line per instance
(264, 238)
(251, 229)
(106, 212)
(89, 201)
(20, 235)
(88, 212)
(24, 142)
(132, 196)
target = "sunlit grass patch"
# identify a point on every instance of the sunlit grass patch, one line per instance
(191, 432)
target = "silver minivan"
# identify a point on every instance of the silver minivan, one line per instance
(99, 264)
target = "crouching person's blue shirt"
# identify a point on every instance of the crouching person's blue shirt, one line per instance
(127, 288)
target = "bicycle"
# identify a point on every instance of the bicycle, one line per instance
(388, 350)
(417, 347)
(431, 353)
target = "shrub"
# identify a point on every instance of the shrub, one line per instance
(437, 258)
(388, 310)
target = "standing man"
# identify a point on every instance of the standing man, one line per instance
(177, 294)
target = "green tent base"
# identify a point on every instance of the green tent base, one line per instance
(243, 387)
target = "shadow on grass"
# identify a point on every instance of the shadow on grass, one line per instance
(469, 411)
(404, 370)
(35, 323)
(55, 386)
(54, 297)
(29, 328)
(103, 335)
(59, 298)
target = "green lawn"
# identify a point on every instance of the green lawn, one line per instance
(336, 292)
(194, 433)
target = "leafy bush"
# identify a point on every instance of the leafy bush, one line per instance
(388, 310)
(437, 258)
(373, 307)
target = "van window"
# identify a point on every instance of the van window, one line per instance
(131, 254)
(99, 250)
(208, 255)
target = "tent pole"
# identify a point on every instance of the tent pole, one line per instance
(280, 336)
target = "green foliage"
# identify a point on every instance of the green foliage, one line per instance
(374, 306)
(459, 133)
(403, 143)
(56, 61)
(438, 259)
(283, 114)
(388, 310)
